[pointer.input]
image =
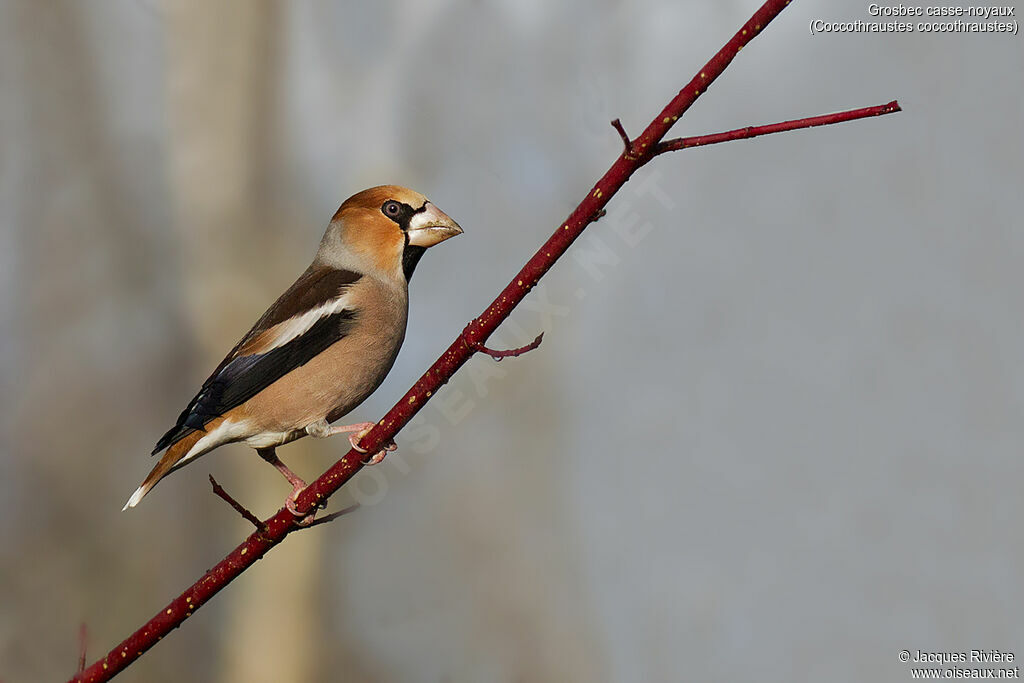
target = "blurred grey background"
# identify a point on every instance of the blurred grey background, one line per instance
(774, 429)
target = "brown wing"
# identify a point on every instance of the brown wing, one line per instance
(253, 365)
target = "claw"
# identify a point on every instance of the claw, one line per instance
(354, 439)
(303, 519)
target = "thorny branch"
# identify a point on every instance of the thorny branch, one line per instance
(638, 152)
(260, 526)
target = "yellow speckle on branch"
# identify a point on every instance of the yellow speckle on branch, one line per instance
(168, 610)
(244, 551)
(412, 399)
(520, 283)
(666, 120)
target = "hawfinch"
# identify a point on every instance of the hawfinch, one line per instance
(324, 346)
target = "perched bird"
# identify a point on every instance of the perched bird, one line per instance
(323, 347)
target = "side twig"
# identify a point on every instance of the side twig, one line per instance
(239, 508)
(626, 142)
(509, 353)
(279, 526)
(754, 131)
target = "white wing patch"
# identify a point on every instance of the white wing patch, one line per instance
(295, 327)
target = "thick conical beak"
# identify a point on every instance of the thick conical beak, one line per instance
(430, 226)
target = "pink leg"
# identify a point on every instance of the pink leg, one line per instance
(322, 430)
(298, 485)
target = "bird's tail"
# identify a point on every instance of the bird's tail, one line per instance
(171, 458)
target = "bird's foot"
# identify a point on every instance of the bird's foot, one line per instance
(321, 429)
(354, 439)
(289, 503)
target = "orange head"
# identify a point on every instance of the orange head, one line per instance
(384, 229)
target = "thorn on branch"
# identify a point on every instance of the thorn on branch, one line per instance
(83, 637)
(601, 213)
(510, 353)
(239, 508)
(333, 516)
(626, 142)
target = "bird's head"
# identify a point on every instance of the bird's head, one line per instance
(385, 229)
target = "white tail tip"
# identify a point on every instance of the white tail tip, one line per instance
(134, 500)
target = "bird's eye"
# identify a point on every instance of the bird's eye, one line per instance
(391, 208)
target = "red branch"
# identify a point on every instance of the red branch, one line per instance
(277, 527)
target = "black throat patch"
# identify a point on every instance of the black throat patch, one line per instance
(410, 257)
